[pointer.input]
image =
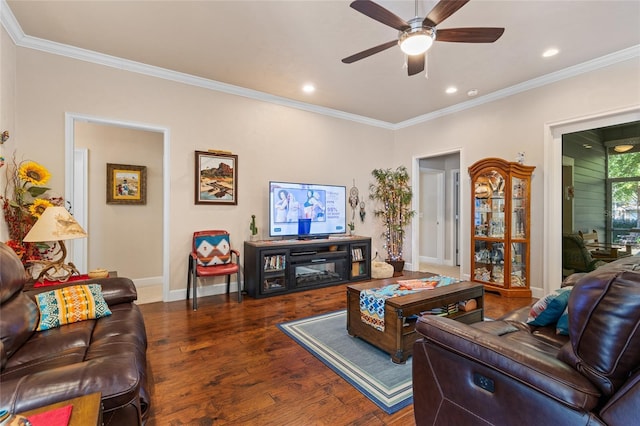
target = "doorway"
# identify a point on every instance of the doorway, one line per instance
(431, 216)
(436, 227)
(553, 188)
(111, 141)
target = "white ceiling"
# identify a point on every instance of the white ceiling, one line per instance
(275, 47)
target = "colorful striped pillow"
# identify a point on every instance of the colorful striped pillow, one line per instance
(71, 304)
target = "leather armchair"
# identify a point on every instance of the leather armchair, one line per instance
(576, 257)
(506, 372)
(106, 355)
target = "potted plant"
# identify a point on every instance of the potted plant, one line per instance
(393, 193)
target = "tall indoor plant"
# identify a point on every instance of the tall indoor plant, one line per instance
(393, 193)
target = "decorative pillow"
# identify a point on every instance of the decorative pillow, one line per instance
(562, 326)
(213, 249)
(548, 310)
(71, 304)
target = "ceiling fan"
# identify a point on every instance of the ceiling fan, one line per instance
(418, 34)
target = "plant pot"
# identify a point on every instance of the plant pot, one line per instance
(398, 266)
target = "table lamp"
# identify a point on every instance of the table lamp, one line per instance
(56, 224)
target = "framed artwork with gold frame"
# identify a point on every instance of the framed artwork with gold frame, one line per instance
(126, 184)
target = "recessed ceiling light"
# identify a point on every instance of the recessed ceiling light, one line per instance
(586, 146)
(308, 88)
(451, 90)
(550, 52)
(472, 92)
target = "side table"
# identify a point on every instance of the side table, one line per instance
(87, 410)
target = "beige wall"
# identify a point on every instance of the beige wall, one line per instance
(280, 143)
(7, 117)
(517, 123)
(271, 141)
(138, 228)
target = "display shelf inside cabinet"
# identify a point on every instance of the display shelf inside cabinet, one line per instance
(500, 228)
(283, 266)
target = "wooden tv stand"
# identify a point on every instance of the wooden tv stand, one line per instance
(284, 266)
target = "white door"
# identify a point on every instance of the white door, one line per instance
(431, 216)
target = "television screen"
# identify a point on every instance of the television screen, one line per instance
(306, 209)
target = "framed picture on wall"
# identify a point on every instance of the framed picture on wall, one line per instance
(126, 184)
(216, 178)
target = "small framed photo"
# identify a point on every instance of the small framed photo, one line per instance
(126, 184)
(216, 178)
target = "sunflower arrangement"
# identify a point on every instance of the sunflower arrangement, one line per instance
(25, 199)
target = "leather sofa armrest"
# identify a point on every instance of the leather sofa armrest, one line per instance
(538, 370)
(114, 290)
(117, 378)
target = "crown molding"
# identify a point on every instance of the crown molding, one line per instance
(21, 39)
(592, 65)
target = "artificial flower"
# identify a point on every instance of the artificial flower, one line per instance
(23, 201)
(33, 173)
(39, 206)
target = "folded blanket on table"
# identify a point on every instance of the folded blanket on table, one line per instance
(372, 301)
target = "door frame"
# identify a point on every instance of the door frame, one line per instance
(79, 251)
(552, 179)
(415, 223)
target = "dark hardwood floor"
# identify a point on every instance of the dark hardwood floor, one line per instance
(228, 364)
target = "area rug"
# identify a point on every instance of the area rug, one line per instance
(364, 366)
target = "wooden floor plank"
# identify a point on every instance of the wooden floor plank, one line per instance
(228, 364)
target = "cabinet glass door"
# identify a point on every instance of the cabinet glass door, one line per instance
(489, 262)
(274, 265)
(519, 208)
(518, 265)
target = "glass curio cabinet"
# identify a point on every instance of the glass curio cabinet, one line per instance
(500, 239)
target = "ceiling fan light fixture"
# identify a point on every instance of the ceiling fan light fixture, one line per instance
(416, 42)
(623, 148)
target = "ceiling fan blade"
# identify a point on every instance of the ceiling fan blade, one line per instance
(470, 35)
(369, 52)
(442, 11)
(415, 64)
(380, 14)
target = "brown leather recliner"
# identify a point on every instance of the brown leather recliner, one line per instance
(506, 372)
(106, 355)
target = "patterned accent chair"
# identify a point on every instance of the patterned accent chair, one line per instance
(211, 256)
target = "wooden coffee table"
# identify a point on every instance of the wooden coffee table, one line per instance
(399, 334)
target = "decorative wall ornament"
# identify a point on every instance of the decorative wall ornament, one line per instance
(354, 197)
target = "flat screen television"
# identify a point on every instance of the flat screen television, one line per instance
(306, 210)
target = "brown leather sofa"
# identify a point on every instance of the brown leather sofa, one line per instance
(106, 355)
(506, 372)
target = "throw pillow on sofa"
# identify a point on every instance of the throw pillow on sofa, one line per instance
(549, 309)
(71, 304)
(562, 326)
